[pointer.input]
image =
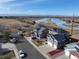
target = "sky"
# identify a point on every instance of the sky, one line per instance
(39, 7)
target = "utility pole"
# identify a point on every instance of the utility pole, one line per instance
(72, 24)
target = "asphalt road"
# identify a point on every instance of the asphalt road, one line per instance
(32, 53)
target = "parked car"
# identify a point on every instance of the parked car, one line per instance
(22, 54)
(13, 40)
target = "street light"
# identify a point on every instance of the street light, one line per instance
(72, 24)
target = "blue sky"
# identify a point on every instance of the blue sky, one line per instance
(39, 7)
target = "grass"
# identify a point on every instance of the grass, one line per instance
(52, 25)
(68, 25)
(8, 55)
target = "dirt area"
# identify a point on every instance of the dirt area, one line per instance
(10, 22)
(40, 42)
(9, 55)
(27, 24)
(16, 24)
(74, 31)
(27, 34)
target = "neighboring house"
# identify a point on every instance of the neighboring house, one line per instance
(57, 40)
(72, 49)
(40, 32)
(15, 33)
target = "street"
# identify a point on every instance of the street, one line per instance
(31, 52)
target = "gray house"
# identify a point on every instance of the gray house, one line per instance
(40, 32)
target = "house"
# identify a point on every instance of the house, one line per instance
(40, 32)
(57, 40)
(59, 31)
(72, 50)
(15, 33)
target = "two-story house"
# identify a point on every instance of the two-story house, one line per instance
(57, 40)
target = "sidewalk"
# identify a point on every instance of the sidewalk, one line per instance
(46, 48)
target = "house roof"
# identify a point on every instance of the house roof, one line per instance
(59, 37)
(61, 31)
(40, 29)
(52, 32)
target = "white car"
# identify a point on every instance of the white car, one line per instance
(22, 54)
(13, 40)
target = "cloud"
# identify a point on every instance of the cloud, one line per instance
(7, 4)
(27, 2)
(5, 1)
(14, 6)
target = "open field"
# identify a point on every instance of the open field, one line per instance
(16, 22)
(10, 22)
